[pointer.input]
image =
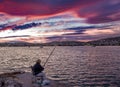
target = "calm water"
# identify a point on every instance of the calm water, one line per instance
(75, 66)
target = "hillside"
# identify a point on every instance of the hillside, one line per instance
(114, 41)
(63, 43)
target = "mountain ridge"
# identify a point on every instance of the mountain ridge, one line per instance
(113, 41)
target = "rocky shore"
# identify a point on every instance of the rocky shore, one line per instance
(23, 79)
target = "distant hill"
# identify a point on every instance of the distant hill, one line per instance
(14, 43)
(65, 43)
(114, 41)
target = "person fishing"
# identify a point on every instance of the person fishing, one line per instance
(39, 75)
(37, 68)
(37, 71)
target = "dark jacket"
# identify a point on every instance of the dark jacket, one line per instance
(37, 68)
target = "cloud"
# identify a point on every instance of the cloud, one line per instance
(15, 36)
(99, 32)
(40, 7)
(26, 26)
(95, 11)
(66, 35)
(56, 28)
(104, 11)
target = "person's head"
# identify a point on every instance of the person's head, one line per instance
(38, 61)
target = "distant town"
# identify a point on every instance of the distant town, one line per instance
(115, 41)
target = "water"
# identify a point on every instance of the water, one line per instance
(76, 66)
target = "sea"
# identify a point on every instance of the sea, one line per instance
(75, 66)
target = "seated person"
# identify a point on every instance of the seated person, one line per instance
(37, 68)
(39, 76)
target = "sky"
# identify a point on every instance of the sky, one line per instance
(42, 21)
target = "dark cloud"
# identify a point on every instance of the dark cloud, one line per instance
(65, 38)
(105, 11)
(6, 27)
(96, 11)
(2, 26)
(18, 27)
(35, 7)
(83, 28)
(41, 7)
(76, 33)
(26, 26)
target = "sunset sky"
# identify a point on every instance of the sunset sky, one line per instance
(40, 21)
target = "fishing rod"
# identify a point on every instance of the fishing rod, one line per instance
(51, 53)
(49, 56)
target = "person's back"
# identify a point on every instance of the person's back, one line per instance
(37, 68)
(39, 77)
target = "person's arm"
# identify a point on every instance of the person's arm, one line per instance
(41, 68)
(33, 69)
